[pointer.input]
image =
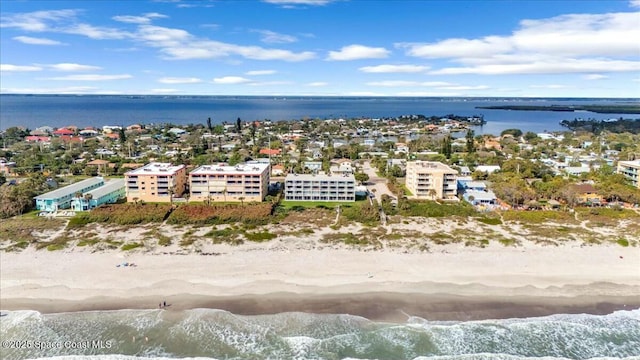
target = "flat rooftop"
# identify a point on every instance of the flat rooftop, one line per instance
(254, 168)
(70, 189)
(156, 168)
(429, 165)
(633, 163)
(311, 177)
(108, 187)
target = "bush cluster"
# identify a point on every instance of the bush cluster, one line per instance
(127, 214)
(199, 214)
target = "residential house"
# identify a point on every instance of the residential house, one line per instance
(313, 166)
(156, 182)
(431, 180)
(488, 168)
(242, 182)
(480, 198)
(61, 198)
(277, 170)
(300, 187)
(587, 194)
(6, 167)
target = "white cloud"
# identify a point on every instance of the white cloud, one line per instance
(356, 52)
(552, 66)
(550, 86)
(163, 91)
(440, 85)
(36, 41)
(179, 80)
(394, 69)
(231, 80)
(317, 84)
(299, 2)
(260, 72)
(404, 83)
(74, 67)
(178, 44)
(270, 83)
(574, 43)
(36, 21)
(144, 19)
(91, 77)
(272, 37)
(63, 90)
(634, 3)
(594, 77)
(19, 68)
(96, 32)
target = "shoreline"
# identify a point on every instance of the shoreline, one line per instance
(384, 307)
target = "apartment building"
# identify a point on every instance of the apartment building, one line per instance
(111, 192)
(320, 187)
(61, 198)
(631, 170)
(156, 182)
(242, 182)
(431, 180)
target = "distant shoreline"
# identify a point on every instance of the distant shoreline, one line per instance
(376, 306)
(599, 109)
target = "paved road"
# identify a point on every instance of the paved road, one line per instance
(376, 182)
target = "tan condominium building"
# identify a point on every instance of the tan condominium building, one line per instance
(156, 182)
(320, 187)
(242, 182)
(631, 170)
(431, 180)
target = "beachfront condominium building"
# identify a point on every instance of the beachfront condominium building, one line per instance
(431, 180)
(156, 182)
(320, 187)
(61, 198)
(631, 170)
(242, 182)
(111, 192)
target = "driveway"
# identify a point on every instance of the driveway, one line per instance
(376, 182)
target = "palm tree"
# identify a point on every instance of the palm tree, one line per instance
(432, 193)
(241, 198)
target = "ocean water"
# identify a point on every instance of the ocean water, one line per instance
(33, 111)
(217, 334)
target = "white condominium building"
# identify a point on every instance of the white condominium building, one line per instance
(431, 180)
(631, 170)
(242, 182)
(320, 187)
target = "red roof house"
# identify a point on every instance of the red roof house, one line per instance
(266, 151)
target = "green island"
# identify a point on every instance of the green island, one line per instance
(600, 109)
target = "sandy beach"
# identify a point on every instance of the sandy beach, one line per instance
(448, 282)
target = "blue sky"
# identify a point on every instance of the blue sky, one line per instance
(322, 47)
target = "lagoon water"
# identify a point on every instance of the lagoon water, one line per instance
(217, 334)
(32, 111)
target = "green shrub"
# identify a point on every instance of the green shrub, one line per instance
(198, 214)
(427, 208)
(489, 221)
(131, 246)
(55, 247)
(130, 214)
(260, 236)
(78, 221)
(623, 242)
